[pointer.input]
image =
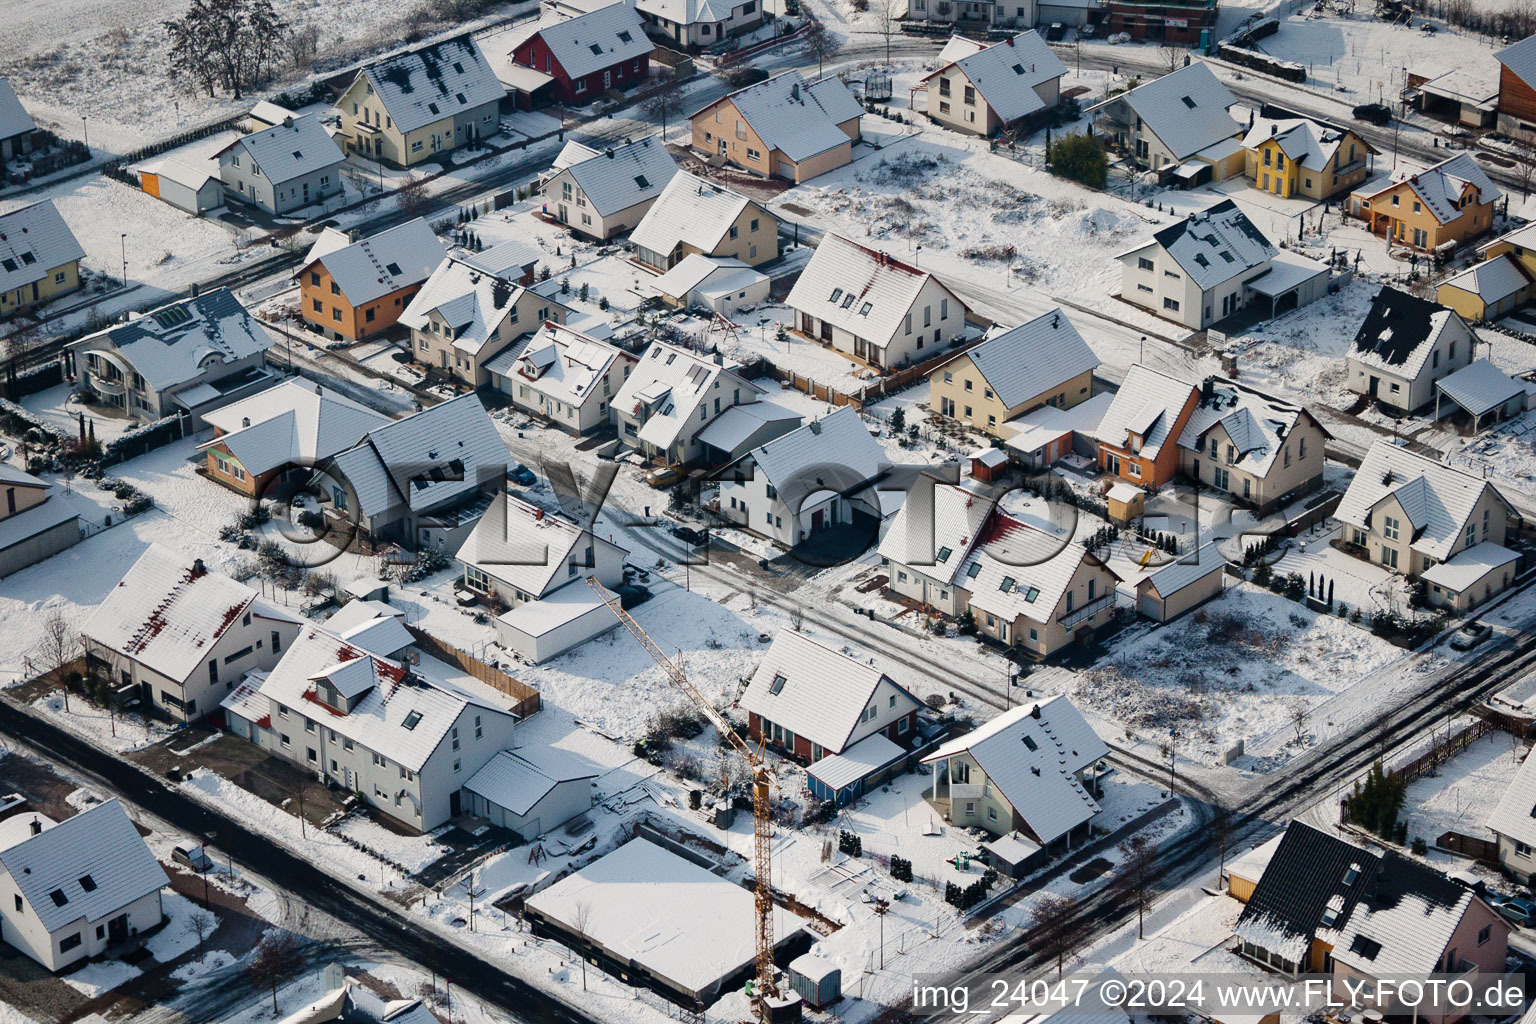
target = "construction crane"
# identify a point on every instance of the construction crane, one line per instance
(762, 782)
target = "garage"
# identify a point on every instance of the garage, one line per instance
(539, 630)
(1171, 590)
(193, 187)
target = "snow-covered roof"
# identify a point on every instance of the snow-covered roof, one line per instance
(290, 423)
(936, 528)
(473, 293)
(1466, 567)
(690, 209)
(1480, 387)
(518, 779)
(1148, 404)
(435, 82)
(1124, 492)
(1404, 921)
(1401, 330)
(672, 382)
(1251, 865)
(815, 691)
(837, 449)
(526, 547)
(1256, 424)
(736, 425)
(1186, 570)
(1437, 499)
(553, 610)
(1441, 187)
(693, 270)
(1312, 876)
(1008, 73)
(373, 267)
(1029, 360)
(1213, 245)
(1515, 815)
(290, 149)
(270, 113)
(859, 761)
(193, 174)
(33, 241)
(374, 626)
(1286, 271)
(1035, 429)
(1021, 570)
(1304, 141)
(862, 290)
(426, 459)
(691, 12)
(18, 477)
(958, 46)
(561, 364)
(167, 612)
(14, 119)
(30, 522)
(1186, 110)
(87, 867)
(798, 119)
(1492, 280)
(1520, 58)
(596, 40)
(617, 178)
(1032, 755)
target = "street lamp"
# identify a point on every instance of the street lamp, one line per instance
(124, 241)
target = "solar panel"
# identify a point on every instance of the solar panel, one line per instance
(171, 316)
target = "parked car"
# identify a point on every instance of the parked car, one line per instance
(1470, 635)
(1055, 33)
(522, 476)
(689, 535)
(1374, 113)
(1515, 908)
(666, 476)
(191, 855)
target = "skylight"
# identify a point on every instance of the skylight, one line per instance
(625, 37)
(172, 316)
(461, 99)
(58, 897)
(458, 67)
(28, 258)
(1226, 256)
(777, 685)
(393, 268)
(1006, 585)
(1029, 741)
(1188, 102)
(1018, 69)
(642, 181)
(848, 300)
(973, 571)
(1031, 594)
(864, 309)
(297, 155)
(1329, 917)
(9, 265)
(944, 554)
(412, 720)
(1352, 874)
(837, 293)
(598, 50)
(87, 883)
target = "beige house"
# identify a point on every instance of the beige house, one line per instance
(781, 128)
(982, 88)
(672, 397)
(602, 193)
(564, 376)
(413, 106)
(1405, 345)
(695, 216)
(1263, 451)
(1177, 124)
(39, 257)
(1044, 362)
(1181, 584)
(31, 529)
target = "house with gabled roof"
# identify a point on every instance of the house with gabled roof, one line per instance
(1499, 283)
(588, 54)
(1404, 345)
(39, 257)
(183, 636)
(1138, 436)
(1176, 124)
(1263, 451)
(290, 426)
(31, 528)
(1044, 362)
(78, 887)
(185, 358)
(283, 168)
(982, 88)
(671, 398)
(812, 701)
(694, 216)
(474, 308)
(1301, 156)
(520, 553)
(874, 307)
(1031, 770)
(350, 290)
(719, 284)
(532, 790)
(1181, 584)
(406, 735)
(563, 376)
(408, 108)
(607, 191)
(16, 126)
(1513, 823)
(781, 128)
(686, 24)
(1447, 204)
(1516, 102)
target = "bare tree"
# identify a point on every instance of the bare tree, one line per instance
(275, 957)
(581, 916)
(666, 102)
(821, 44)
(1052, 931)
(412, 198)
(303, 46)
(797, 618)
(1297, 710)
(887, 19)
(1525, 170)
(230, 43)
(1137, 877)
(202, 922)
(57, 648)
(1171, 57)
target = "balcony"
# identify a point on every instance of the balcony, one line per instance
(965, 791)
(107, 385)
(1076, 615)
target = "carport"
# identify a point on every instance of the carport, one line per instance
(1290, 282)
(1483, 391)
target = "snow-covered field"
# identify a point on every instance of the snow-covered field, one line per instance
(1462, 792)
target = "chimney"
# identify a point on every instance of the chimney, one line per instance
(608, 153)
(816, 427)
(37, 827)
(1010, 40)
(288, 122)
(794, 91)
(1035, 712)
(198, 569)
(319, 390)
(245, 421)
(1207, 388)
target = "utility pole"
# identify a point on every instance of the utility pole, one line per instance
(1173, 754)
(881, 906)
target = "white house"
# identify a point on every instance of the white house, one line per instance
(742, 428)
(564, 376)
(688, 23)
(671, 397)
(874, 307)
(519, 553)
(76, 888)
(183, 635)
(1513, 824)
(819, 476)
(721, 286)
(1405, 345)
(983, 87)
(602, 193)
(1176, 123)
(405, 735)
(531, 790)
(283, 168)
(696, 216)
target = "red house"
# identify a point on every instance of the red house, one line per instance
(584, 57)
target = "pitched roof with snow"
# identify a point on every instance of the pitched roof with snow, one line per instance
(291, 149)
(1148, 404)
(1480, 387)
(713, 274)
(798, 119)
(1404, 921)
(518, 779)
(1186, 110)
(1492, 280)
(596, 40)
(1020, 570)
(290, 423)
(1304, 141)
(1312, 882)
(837, 448)
(373, 267)
(1008, 72)
(1029, 360)
(1469, 565)
(1515, 815)
(34, 240)
(181, 340)
(435, 82)
(1437, 499)
(623, 176)
(1256, 424)
(815, 691)
(936, 528)
(1401, 330)
(560, 363)
(1188, 569)
(1442, 186)
(738, 424)
(88, 867)
(1213, 245)
(859, 289)
(672, 382)
(691, 12)
(1032, 755)
(372, 625)
(529, 548)
(690, 209)
(14, 119)
(473, 294)
(1520, 58)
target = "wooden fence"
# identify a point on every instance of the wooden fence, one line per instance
(1484, 850)
(527, 697)
(1444, 751)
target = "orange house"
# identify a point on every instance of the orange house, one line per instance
(353, 290)
(1138, 436)
(1449, 202)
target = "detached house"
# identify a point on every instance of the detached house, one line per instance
(1447, 204)
(1516, 103)
(472, 309)
(16, 126)
(1263, 451)
(39, 257)
(1421, 518)
(982, 88)
(589, 54)
(1177, 124)
(697, 217)
(412, 106)
(186, 358)
(1513, 823)
(352, 290)
(601, 193)
(1497, 285)
(685, 24)
(873, 307)
(1297, 156)
(671, 397)
(1139, 433)
(1044, 362)
(781, 128)
(563, 376)
(283, 168)
(76, 888)
(1029, 771)
(31, 529)
(1403, 347)
(181, 634)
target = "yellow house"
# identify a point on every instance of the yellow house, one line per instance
(1449, 202)
(1043, 362)
(1300, 157)
(39, 257)
(1501, 282)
